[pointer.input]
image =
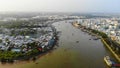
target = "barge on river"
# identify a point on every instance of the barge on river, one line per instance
(110, 62)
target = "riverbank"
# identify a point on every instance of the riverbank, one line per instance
(97, 34)
(116, 56)
(20, 48)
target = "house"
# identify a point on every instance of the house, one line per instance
(15, 50)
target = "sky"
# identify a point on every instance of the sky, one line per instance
(110, 6)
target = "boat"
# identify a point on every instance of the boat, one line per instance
(95, 38)
(77, 41)
(108, 61)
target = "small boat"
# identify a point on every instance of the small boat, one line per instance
(108, 61)
(77, 41)
(90, 39)
(95, 38)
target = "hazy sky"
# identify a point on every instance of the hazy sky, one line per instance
(61, 5)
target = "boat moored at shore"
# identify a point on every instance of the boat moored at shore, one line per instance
(110, 62)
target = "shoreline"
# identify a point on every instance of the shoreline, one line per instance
(104, 42)
(40, 50)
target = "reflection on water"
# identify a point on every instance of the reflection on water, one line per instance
(75, 51)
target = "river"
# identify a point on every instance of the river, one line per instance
(75, 51)
(88, 53)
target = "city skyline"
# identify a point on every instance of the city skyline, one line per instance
(104, 6)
